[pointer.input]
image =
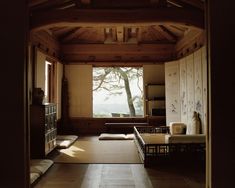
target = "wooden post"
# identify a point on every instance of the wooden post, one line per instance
(14, 95)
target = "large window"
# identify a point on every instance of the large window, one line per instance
(118, 92)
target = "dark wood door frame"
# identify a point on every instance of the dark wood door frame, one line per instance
(14, 95)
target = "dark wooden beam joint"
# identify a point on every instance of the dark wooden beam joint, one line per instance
(193, 44)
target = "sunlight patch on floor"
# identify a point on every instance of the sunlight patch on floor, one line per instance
(71, 151)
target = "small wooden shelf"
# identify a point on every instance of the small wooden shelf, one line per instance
(154, 99)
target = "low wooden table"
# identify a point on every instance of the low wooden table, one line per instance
(110, 127)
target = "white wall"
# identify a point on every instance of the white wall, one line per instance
(40, 70)
(154, 74)
(80, 90)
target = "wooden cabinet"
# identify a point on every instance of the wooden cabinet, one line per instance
(155, 100)
(43, 129)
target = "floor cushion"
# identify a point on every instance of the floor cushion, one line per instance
(65, 141)
(109, 136)
(61, 144)
(66, 137)
(40, 166)
(33, 177)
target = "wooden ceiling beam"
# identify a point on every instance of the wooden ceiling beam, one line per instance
(66, 5)
(54, 4)
(143, 49)
(178, 32)
(195, 3)
(107, 18)
(121, 3)
(137, 63)
(191, 38)
(119, 64)
(61, 30)
(36, 2)
(116, 58)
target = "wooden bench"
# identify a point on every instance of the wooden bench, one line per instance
(122, 127)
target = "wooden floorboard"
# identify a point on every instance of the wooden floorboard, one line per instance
(122, 176)
(119, 175)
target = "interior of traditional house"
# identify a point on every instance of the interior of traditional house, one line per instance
(104, 67)
(118, 94)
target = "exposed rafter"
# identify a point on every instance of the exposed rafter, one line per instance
(117, 53)
(193, 4)
(168, 34)
(61, 31)
(54, 4)
(70, 35)
(118, 31)
(196, 3)
(153, 33)
(175, 3)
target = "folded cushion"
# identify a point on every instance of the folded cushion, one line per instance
(107, 136)
(64, 141)
(40, 166)
(66, 137)
(62, 144)
(34, 176)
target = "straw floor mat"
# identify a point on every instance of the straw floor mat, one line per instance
(99, 151)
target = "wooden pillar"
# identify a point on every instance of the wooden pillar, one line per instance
(221, 40)
(13, 78)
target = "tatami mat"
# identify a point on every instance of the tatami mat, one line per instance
(97, 151)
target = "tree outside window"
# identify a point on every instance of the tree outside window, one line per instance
(117, 92)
